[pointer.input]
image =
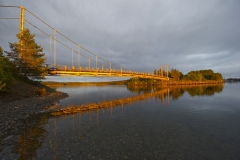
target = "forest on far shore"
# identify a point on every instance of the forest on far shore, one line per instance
(198, 75)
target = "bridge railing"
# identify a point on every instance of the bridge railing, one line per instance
(67, 70)
(86, 69)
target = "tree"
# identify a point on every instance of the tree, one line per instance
(28, 56)
(6, 73)
(195, 76)
(175, 74)
(208, 74)
(204, 75)
(217, 77)
(155, 72)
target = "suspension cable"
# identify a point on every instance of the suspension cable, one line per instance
(53, 37)
(69, 38)
(9, 18)
(10, 6)
(59, 41)
(57, 32)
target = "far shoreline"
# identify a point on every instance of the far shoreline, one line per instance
(130, 83)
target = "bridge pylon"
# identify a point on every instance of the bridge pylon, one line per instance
(22, 9)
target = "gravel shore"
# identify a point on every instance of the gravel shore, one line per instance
(18, 107)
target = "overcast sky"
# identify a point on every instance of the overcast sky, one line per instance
(136, 34)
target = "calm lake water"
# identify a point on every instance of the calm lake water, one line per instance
(178, 123)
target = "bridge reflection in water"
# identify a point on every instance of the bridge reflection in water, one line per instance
(32, 134)
(163, 94)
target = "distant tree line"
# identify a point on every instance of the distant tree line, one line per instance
(25, 61)
(233, 79)
(198, 75)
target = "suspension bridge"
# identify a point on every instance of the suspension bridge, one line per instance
(100, 67)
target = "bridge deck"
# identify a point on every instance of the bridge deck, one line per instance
(105, 73)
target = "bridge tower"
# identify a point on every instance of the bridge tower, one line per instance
(22, 9)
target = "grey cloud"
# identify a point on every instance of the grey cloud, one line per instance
(141, 35)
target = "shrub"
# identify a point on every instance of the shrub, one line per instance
(7, 72)
(2, 85)
(40, 91)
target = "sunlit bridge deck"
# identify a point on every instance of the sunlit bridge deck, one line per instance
(103, 73)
